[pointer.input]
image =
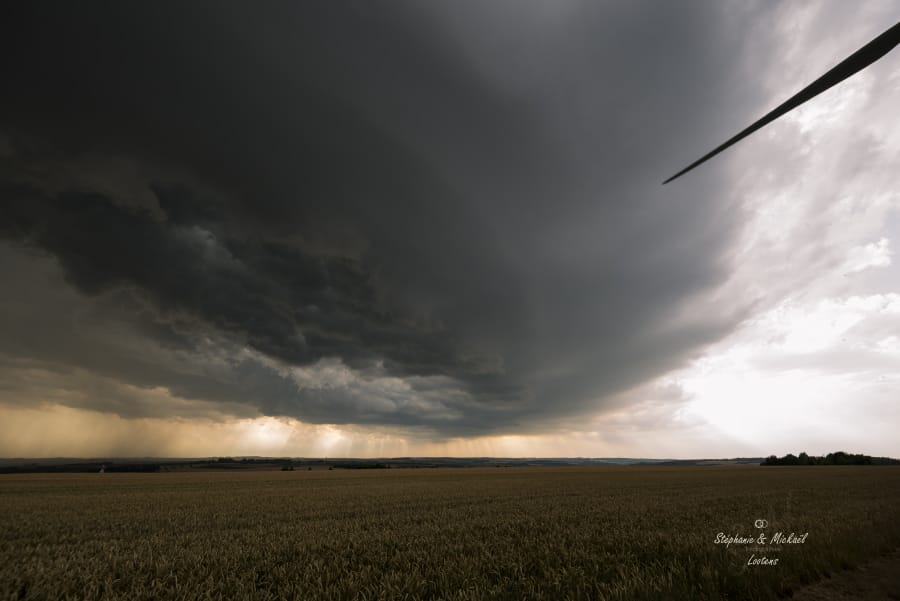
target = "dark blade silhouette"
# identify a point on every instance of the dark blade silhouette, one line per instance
(857, 61)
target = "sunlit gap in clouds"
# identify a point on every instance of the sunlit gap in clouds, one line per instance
(56, 430)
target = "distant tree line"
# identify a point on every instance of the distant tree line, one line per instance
(80, 468)
(838, 458)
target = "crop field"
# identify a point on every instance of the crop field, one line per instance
(480, 533)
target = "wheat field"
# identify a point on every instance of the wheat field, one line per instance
(478, 533)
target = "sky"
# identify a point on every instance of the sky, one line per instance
(406, 229)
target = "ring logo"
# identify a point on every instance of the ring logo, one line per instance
(761, 524)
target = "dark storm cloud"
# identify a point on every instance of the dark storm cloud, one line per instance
(281, 301)
(465, 198)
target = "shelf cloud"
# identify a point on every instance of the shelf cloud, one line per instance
(440, 219)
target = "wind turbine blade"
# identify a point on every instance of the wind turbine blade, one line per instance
(857, 61)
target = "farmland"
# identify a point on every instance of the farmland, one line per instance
(478, 533)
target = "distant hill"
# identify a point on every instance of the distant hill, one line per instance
(157, 464)
(837, 458)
